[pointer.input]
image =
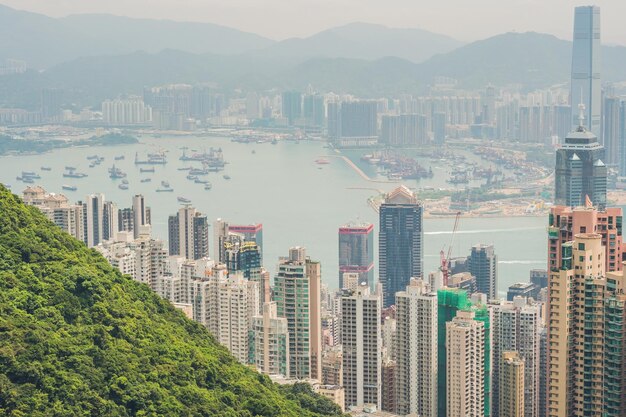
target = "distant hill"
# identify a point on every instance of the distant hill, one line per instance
(81, 339)
(44, 41)
(362, 41)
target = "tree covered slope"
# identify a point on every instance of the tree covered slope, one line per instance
(79, 339)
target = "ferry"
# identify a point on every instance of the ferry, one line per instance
(199, 181)
(184, 200)
(184, 168)
(46, 169)
(123, 186)
(28, 180)
(226, 177)
(164, 190)
(69, 187)
(146, 179)
(322, 161)
(93, 157)
(119, 158)
(31, 175)
(198, 171)
(146, 169)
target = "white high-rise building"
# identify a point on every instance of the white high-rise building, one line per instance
(93, 209)
(362, 346)
(516, 327)
(416, 350)
(465, 354)
(585, 82)
(130, 111)
(140, 216)
(57, 209)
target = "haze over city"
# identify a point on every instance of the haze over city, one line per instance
(281, 19)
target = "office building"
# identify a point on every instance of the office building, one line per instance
(400, 240)
(250, 232)
(511, 385)
(292, 106)
(189, 234)
(297, 295)
(523, 289)
(580, 173)
(465, 373)
(611, 130)
(416, 350)
(358, 124)
(362, 346)
(140, 215)
(483, 264)
(515, 326)
(566, 223)
(356, 253)
(585, 77)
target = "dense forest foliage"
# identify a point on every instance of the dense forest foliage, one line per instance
(77, 338)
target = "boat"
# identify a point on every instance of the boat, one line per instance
(274, 141)
(198, 171)
(69, 187)
(164, 190)
(119, 158)
(199, 181)
(184, 200)
(146, 169)
(165, 184)
(146, 179)
(123, 186)
(115, 173)
(208, 186)
(322, 161)
(46, 169)
(31, 175)
(93, 157)
(28, 180)
(71, 173)
(124, 181)
(253, 151)
(153, 159)
(226, 177)
(184, 168)
(93, 164)
(192, 177)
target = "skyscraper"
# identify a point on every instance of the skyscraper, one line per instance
(362, 345)
(356, 252)
(250, 232)
(358, 123)
(580, 171)
(94, 205)
(516, 326)
(189, 234)
(511, 385)
(611, 130)
(585, 78)
(483, 264)
(465, 354)
(416, 350)
(270, 347)
(292, 106)
(400, 239)
(140, 216)
(297, 295)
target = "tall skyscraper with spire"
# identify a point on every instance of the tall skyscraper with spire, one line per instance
(585, 81)
(580, 173)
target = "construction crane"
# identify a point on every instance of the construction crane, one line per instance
(445, 259)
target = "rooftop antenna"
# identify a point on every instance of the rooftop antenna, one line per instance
(581, 110)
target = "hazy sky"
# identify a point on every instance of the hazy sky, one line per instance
(278, 19)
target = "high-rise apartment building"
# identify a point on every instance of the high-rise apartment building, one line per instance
(189, 234)
(56, 208)
(416, 350)
(297, 295)
(585, 77)
(511, 384)
(400, 240)
(483, 264)
(140, 214)
(362, 344)
(465, 372)
(580, 172)
(515, 327)
(93, 209)
(566, 222)
(356, 253)
(292, 106)
(358, 124)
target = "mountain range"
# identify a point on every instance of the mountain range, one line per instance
(101, 56)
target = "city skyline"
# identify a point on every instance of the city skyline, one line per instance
(447, 17)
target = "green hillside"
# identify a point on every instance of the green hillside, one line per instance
(79, 339)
